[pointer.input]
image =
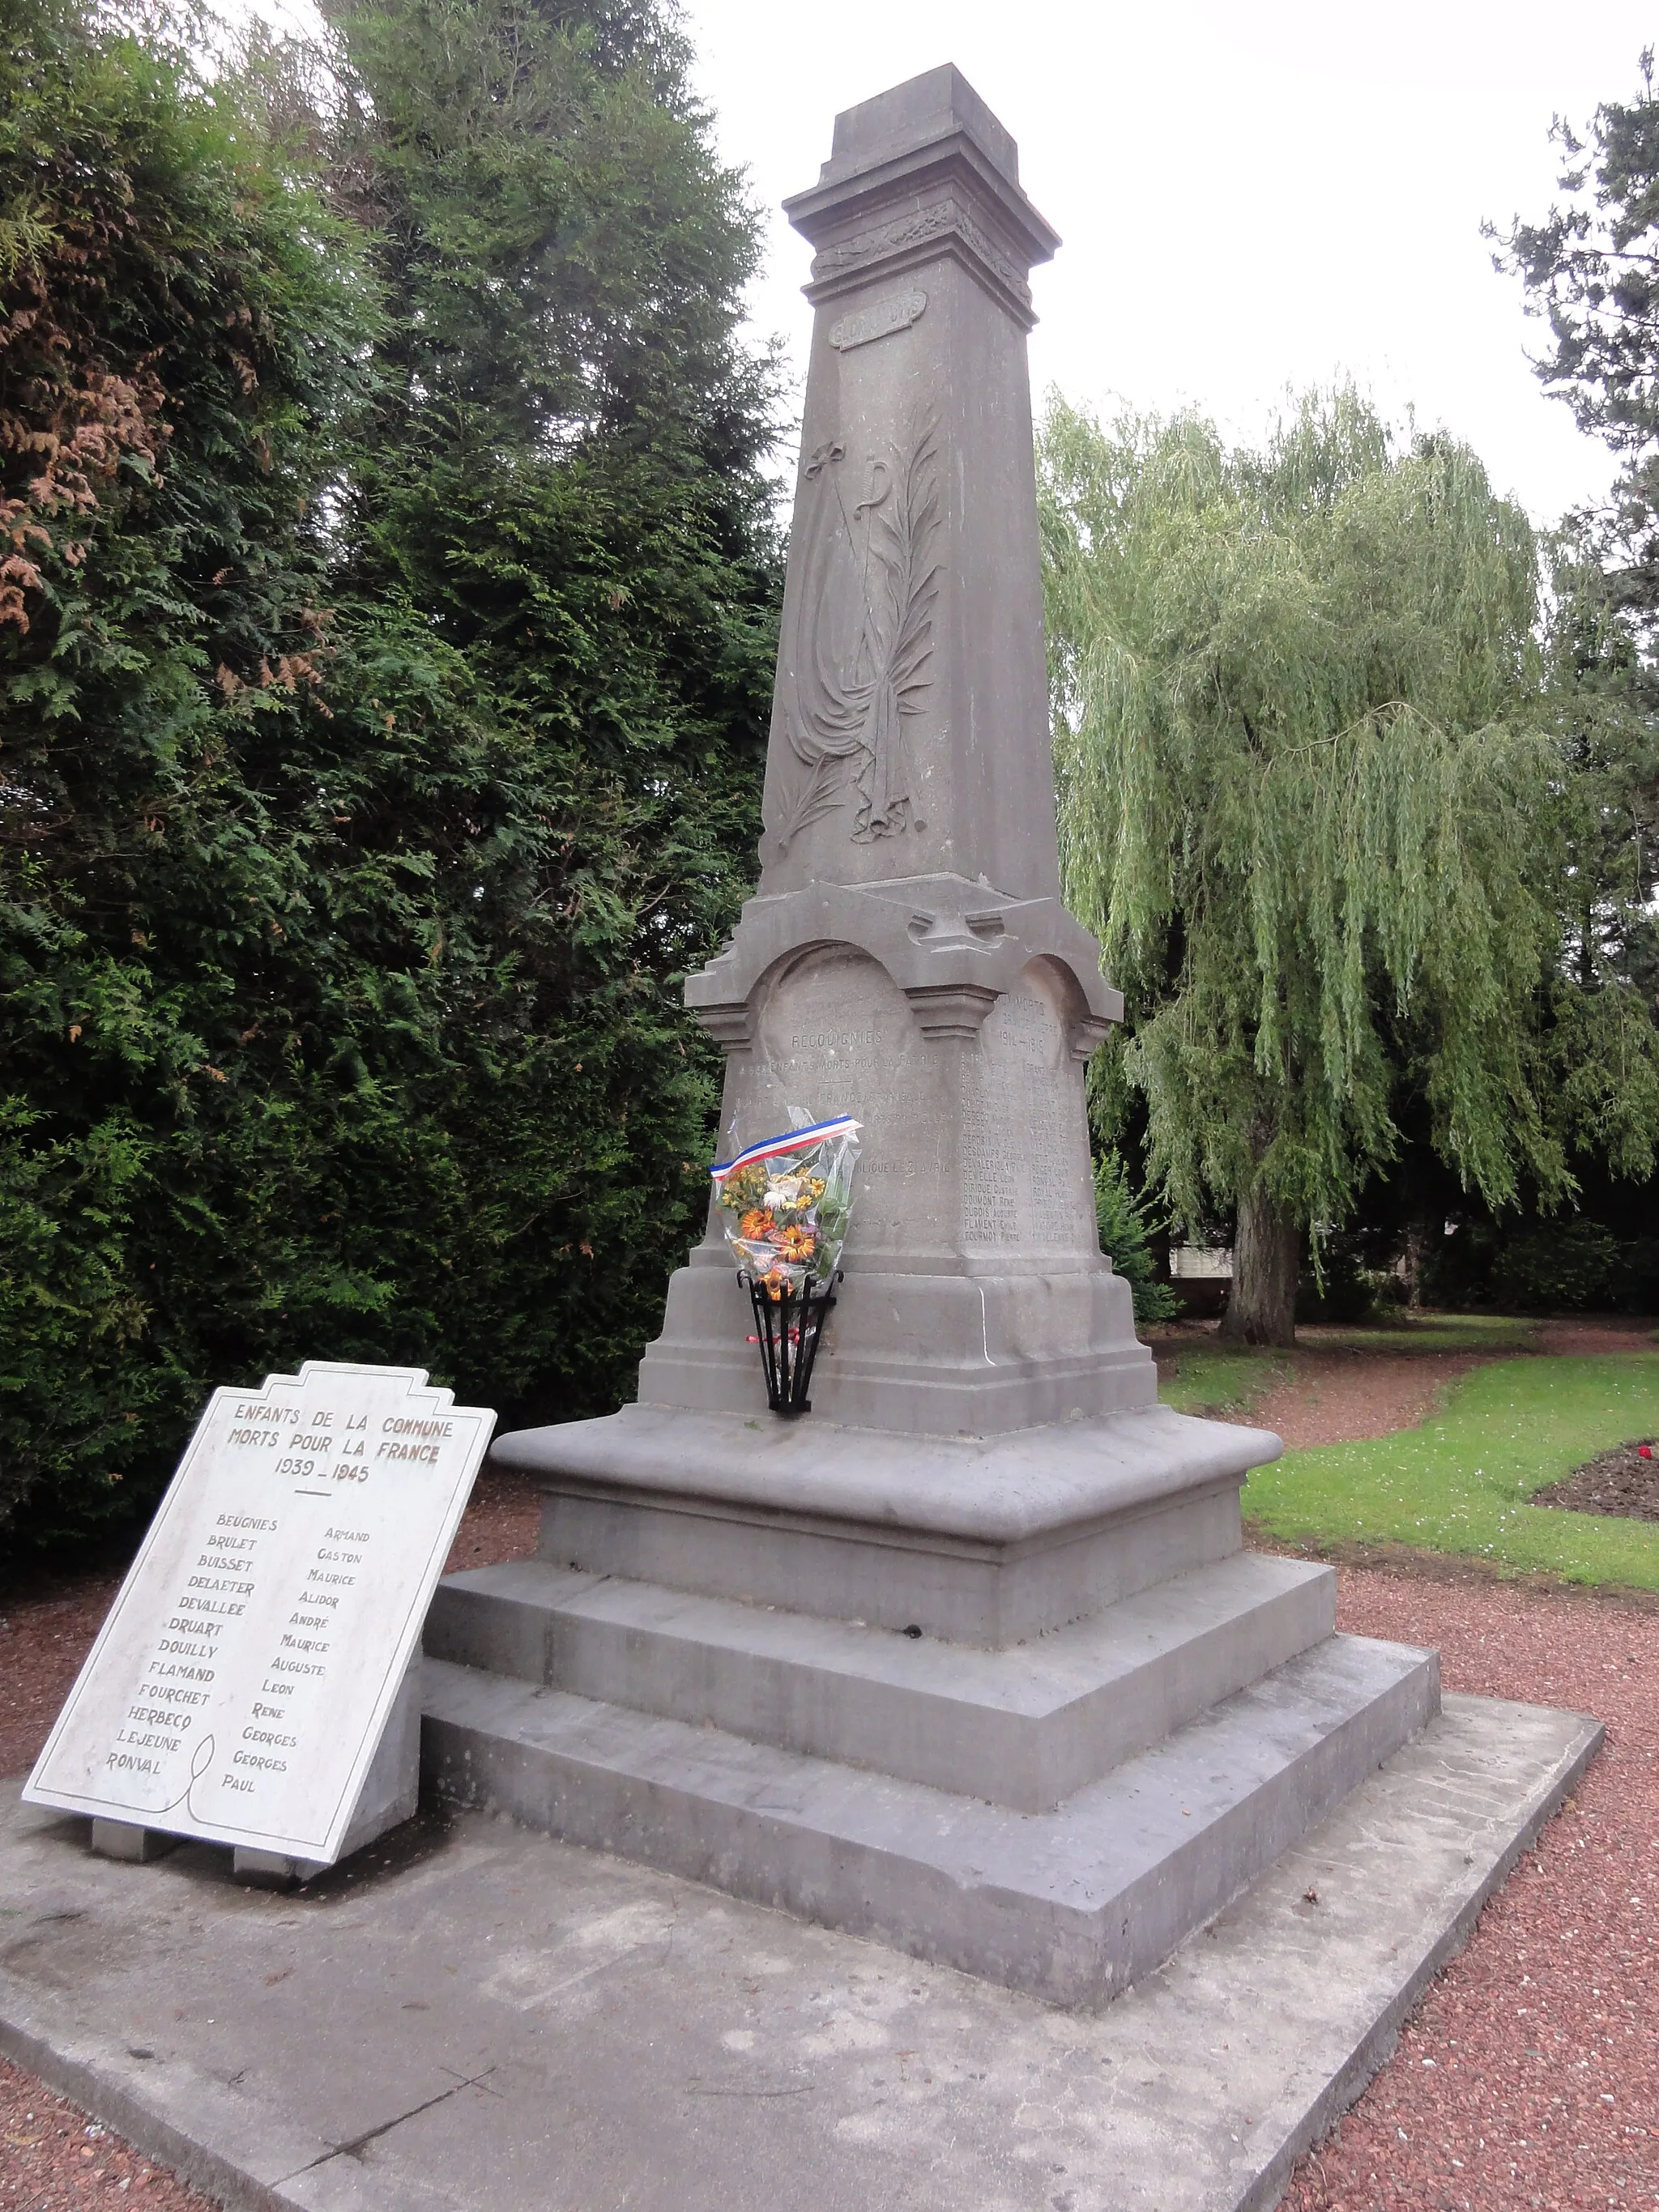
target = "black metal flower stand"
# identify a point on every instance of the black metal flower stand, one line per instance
(787, 1328)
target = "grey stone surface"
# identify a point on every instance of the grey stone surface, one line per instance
(389, 1796)
(981, 1541)
(1073, 1904)
(485, 2020)
(1024, 1728)
(985, 1463)
(126, 1840)
(906, 957)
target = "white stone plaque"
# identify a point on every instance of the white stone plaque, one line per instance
(240, 1686)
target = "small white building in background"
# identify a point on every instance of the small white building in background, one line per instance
(1201, 1263)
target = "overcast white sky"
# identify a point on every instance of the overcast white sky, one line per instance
(1252, 196)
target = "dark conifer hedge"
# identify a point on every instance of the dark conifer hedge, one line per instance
(387, 619)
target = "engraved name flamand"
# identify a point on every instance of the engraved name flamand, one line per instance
(880, 321)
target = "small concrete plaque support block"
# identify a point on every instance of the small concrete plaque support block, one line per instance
(126, 1840)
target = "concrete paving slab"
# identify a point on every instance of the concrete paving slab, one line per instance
(474, 2017)
(1072, 1906)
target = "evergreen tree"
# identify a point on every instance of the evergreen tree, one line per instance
(381, 685)
(183, 325)
(1126, 1229)
(1591, 270)
(558, 491)
(1315, 802)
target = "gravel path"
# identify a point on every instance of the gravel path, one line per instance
(1530, 2075)
(1337, 1397)
(53, 2155)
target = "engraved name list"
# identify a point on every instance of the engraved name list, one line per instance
(238, 1687)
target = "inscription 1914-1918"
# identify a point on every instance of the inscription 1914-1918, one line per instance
(987, 1153)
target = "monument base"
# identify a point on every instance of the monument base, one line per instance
(1019, 1704)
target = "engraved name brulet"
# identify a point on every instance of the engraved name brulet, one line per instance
(863, 627)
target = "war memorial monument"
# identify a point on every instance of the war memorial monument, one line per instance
(972, 1659)
(968, 1659)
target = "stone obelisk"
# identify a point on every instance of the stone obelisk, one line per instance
(709, 1630)
(907, 957)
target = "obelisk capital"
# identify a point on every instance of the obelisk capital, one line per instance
(921, 167)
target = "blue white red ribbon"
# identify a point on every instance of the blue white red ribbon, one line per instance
(790, 1140)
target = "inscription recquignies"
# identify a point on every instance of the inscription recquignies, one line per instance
(869, 324)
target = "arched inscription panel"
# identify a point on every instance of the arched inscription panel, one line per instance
(835, 1035)
(1025, 1177)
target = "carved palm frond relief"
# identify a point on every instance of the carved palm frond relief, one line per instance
(863, 637)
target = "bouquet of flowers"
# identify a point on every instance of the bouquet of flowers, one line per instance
(788, 1199)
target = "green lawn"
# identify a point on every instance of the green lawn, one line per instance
(1460, 1482)
(1213, 1379)
(1214, 1382)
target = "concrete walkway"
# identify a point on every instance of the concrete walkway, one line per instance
(476, 2018)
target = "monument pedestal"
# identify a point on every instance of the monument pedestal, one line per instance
(1019, 1704)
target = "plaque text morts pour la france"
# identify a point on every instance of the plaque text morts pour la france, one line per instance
(240, 1687)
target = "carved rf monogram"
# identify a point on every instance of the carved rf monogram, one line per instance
(864, 635)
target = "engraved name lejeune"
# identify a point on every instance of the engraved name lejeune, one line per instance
(863, 636)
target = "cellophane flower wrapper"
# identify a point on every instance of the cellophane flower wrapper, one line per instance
(785, 1200)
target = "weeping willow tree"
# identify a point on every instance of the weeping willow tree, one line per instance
(1314, 801)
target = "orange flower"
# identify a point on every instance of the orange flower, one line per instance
(798, 1243)
(754, 1222)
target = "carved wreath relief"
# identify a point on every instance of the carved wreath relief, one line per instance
(864, 635)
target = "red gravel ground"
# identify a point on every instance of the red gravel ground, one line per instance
(1336, 1397)
(52, 2155)
(1336, 1393)
(1529, 2077)
(502, 1521)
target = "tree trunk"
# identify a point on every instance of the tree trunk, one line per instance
(1420, 1231)
(1267, 1255)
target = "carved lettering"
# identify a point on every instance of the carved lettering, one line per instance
(1024, 1145)
(880, 321)
(945, 218)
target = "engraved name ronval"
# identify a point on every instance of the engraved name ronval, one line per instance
(879, 321)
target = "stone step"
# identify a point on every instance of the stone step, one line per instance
(1070, 1905)
(1024, 1726)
